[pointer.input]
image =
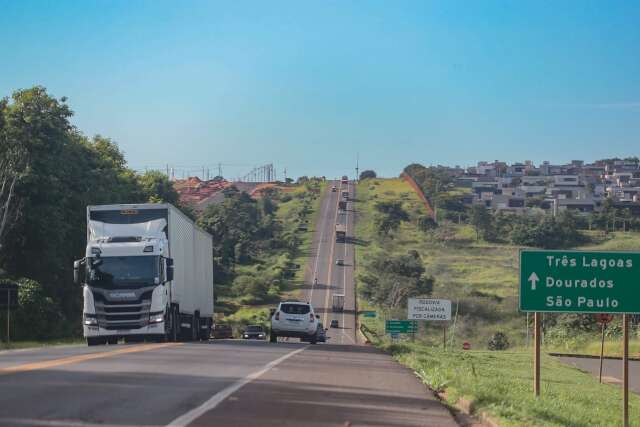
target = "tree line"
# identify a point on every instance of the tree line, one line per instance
(49, 173)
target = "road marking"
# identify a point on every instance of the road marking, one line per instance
(60, 423)
(315, 267)
(219, 397)
(333, 246)
(81, 358)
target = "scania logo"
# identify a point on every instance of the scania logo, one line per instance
(122, 295)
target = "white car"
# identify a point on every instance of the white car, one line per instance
(295, 319)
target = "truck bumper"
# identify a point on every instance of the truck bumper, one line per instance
(95, 331)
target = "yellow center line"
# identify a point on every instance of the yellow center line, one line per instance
(81, 358)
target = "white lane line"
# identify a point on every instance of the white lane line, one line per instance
(220, 396)
(322, 228)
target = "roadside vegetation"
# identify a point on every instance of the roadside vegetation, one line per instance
(479, 274)
(500, 383)
(49, 173)
(260, 249)
(474, 262)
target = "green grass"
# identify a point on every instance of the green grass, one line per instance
(500, 384)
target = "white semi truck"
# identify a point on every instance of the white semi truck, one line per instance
(148, 275)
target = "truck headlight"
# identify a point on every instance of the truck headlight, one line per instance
(260, 335)
(157, 317)
(90, 319)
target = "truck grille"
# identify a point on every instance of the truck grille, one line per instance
(130, 314)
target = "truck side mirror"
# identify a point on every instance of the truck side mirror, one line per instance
(169, 269)
(76, 270)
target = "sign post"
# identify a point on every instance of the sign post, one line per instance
(580, 282)
(8, 300)
(625, 371)
(603, 319)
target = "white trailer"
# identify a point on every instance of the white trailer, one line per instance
(148, 275)
(337, 303)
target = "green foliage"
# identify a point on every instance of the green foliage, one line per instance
(431, 180)
(389, 280)
(548, 232)
(426, 223)
(367, 174)
(60, 172)
(390, 216)
(482, 221)
(498, 341)
(38, 316)
(157, 188)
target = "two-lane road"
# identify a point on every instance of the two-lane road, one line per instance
(332, 278)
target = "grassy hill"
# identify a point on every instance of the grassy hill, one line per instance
(481, 276)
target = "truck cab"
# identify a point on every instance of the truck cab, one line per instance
(127, 276)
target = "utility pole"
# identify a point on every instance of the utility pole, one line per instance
(219, 169)
(357, 168)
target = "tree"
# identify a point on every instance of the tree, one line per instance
(367, 174)
(13, 163)
(481, 220)
(157, 188)
(389, 281)
(390, 215)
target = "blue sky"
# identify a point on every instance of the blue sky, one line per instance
(308, 85)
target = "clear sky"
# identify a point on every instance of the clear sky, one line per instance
(307, 85)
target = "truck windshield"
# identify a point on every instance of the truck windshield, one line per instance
(125, 271)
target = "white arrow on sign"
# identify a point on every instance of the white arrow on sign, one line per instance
(534, 280)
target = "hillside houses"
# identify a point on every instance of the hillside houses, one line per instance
(574, 186)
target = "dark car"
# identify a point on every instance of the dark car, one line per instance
(322, 333)
(334, 323)
(222, 331)
(254, 332)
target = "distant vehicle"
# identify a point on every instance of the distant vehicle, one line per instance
(334, 323)
(146, 275)
(334, 189)
(342, 205)
(341, 232)
(337, 302)
(254, 332)
(345, 194)
(294, 319)
(345, 179)
(339, 261)
(222, 331)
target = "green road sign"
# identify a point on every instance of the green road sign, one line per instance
(368, 313)
(580, 282)
(400, 326)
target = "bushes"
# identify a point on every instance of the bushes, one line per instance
(498, 341)
(38, 316)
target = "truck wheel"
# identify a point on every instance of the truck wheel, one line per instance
(91, 341)
(314, 339)
(273, 337)
(195, 328)
(112, 340)
(173, 332)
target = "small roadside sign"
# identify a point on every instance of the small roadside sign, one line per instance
(368, 313)
(579, 281)
(399, 326)
(466, 346)
(8, 296)
(429, 309)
